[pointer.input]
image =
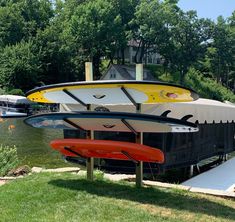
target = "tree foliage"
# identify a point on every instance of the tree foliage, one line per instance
(11, 25)
(150, 26)
(19, 66)
(21, 19)
(188, 41)
(44, 41)
(207, 87)
(96, 27)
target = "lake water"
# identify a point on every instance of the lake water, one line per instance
(32, 144)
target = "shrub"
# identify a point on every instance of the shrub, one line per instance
(208, 88)
(2, 91)
(99, 175)
(8, 159)
(18, 92)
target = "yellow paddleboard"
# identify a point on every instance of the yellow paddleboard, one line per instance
(112, 92)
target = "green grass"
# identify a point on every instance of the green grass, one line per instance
(67, 197)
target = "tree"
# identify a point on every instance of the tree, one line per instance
(36, 15)
(58, 56)
(219, 57)
(96, 27)
(150, 26)
(125, 10)
(222, 43)
(19, 66)
(180, 37)
(21, 19)
(189, 39)
(231, 24)
(11, 25)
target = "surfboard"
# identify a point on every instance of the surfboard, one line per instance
(112, 92)
(107, 149)
(110, 121)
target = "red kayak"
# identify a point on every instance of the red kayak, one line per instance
(108, 149)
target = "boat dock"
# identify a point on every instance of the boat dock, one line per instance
(221, 178)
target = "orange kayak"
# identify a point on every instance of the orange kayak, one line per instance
(108, 149)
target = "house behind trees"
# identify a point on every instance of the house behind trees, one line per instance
(124, 72)
(133, 50)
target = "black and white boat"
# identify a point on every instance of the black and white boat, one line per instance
(216, 135)
(12, 106)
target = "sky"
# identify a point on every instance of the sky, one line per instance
(209, 8)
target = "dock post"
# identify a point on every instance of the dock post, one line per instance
(139, 165)
(191, 171)
(139, 136)
(89, 71)
(139, 72)
(90, 134)
(90, 168)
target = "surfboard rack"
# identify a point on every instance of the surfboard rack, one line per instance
(80, 128)
(74, 152)
(129, 96)
(129, 156)
(74, 97)
(73, 124)
(84, 104)
(129, 126)
(69, 93)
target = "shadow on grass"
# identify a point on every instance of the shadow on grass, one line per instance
(175, 199)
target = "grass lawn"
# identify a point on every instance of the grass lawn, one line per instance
(67, 197)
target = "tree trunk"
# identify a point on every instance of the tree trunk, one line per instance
(234, 86)
(96, 66)
(118, 57)
(137, 52)
(227, 78)
(123, 56)
(142, 51)
(182, 75)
